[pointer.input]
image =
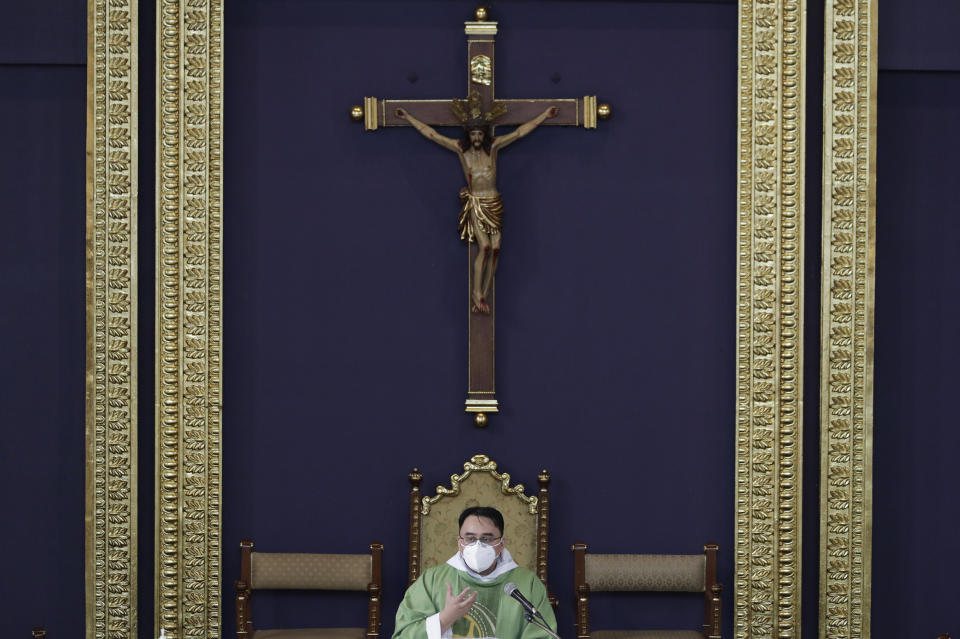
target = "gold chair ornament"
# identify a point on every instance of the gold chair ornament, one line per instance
(433, 519)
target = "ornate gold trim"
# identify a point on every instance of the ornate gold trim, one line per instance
(479, 464)
(772, 43)
(847, 317)
(370, 114)
(188, 347)
(589, 111)
(770, 138)
(480, 28)
(111, 309)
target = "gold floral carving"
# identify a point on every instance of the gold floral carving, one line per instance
(111, 308)
(847, 314)
(188, 348)
(772, 44)
(479, 464)
(769, 366)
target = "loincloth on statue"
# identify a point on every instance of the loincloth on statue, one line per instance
(479, 212)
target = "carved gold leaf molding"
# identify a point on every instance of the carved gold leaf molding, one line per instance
(847, 314)
(188, 348)
(480, 464)
(769, 327)
(772, 44)
(111, 309)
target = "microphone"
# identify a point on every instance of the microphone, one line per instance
(512, 590)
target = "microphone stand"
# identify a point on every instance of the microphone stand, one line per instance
(540, 624)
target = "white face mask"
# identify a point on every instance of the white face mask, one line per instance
(479, 556)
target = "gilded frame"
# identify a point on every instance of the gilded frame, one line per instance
(110, 523)
(847, 317)
(770, 209)
(189, 143)
(188, 320)
(769, 415)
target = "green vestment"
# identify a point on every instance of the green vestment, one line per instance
(494, 613)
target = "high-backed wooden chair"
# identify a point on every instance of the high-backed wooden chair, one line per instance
(308, 571)
(433, 518)
(647, 573)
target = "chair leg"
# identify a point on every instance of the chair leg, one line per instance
(243, 613)
(374, 589)
(715, 611)
(581, 591)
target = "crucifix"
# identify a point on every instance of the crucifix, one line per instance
(482, 209)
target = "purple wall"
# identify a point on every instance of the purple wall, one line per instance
(346, 287)
(42, 108)
(916, 510)
(347, 297)
(41, 318)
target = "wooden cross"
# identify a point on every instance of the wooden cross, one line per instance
(377, 113)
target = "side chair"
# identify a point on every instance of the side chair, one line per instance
(646, 573)
(309, 571)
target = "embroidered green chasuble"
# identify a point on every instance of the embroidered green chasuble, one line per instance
(494, 613)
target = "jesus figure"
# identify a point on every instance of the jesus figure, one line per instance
(481, 217)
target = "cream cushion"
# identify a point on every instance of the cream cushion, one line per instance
(310, 571)
(312, 633)
(645, 634)
(674, 573)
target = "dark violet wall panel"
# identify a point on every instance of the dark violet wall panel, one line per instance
(345, 335)
(916, 510)
(346, 288)
(919, 35)
(41, 320)
(44, 32)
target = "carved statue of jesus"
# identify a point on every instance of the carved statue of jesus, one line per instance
(482, 213)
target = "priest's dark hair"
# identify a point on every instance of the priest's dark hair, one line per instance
(483, 511)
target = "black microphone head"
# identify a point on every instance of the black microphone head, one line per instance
(509, 588)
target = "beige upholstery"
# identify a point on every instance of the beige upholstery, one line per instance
(593, 573)
(646, 634)
(310, 571)
(439, 528)
(434, 517)
(312, 633)
(674, 573)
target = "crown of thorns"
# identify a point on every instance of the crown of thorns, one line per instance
(470, 111)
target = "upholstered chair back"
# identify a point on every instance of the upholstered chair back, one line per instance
(434, 518)
(308, 571)
(594, 573)
(671, 573)
(303, 571)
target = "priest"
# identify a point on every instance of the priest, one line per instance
(465, 596)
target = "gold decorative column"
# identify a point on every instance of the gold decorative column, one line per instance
(111, 310)
(770, 205)
(847, 317)
(188, 322)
